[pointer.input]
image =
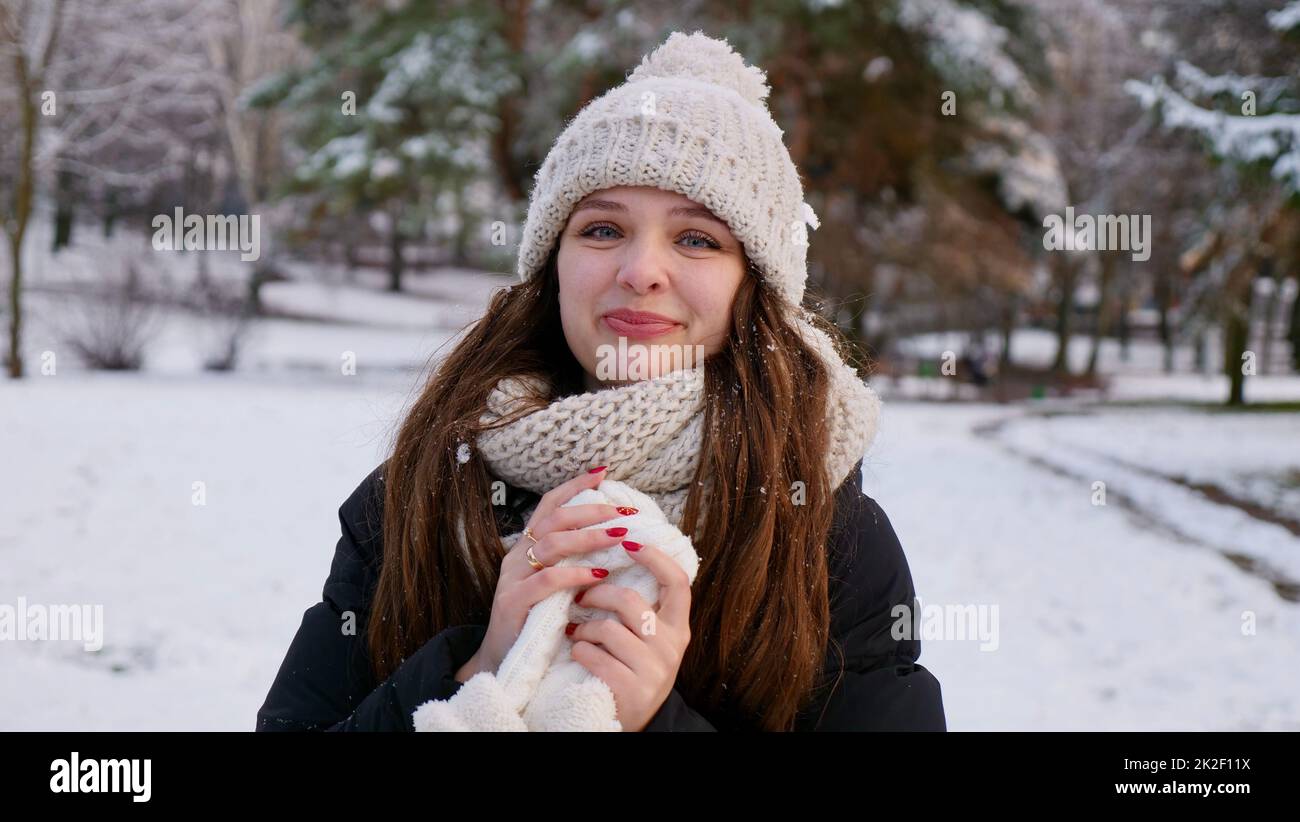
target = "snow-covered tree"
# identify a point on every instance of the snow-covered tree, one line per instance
(924, 149)
(395, 113)
(1248, 119)
(99, 92)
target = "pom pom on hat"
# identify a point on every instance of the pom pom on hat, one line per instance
(700, 57)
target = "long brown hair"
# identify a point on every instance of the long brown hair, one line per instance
(760, 615)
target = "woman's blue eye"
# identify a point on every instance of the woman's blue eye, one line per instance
(591, 230)
(709, 243)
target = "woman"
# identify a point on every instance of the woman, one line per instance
(672, 195)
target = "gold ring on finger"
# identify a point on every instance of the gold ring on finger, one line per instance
(533, 561)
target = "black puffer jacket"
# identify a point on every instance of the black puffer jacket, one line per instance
(325, 682)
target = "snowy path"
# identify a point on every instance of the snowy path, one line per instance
(1105, 623)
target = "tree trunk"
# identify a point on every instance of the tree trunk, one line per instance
(460, 249)
(253, 300)
(63, 219)
(1008, 328)
(1064, 306)
(22, 213)
(14, 362)
(1270, 312)
(512, 173)
(27, 80)
(63, 211)
(1163, 299)
(1238, 294)
(1238, 289)
(202, 276)
(350, 258)
(1101, 326)
(110, 212)
(1123, 329)
(1294, 332)
(395, 264)
(1236, 329)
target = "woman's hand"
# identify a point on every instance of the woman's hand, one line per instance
(520, 586)
(638, 654)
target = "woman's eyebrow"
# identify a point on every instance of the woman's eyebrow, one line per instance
(695, 211)
(676, 211)
(599, 205)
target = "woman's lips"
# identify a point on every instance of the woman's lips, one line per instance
(640, 331)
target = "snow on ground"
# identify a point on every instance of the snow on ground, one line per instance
(1105, 623)
(1133, 388)
(1251, 455)
(351, 303)
(1208, 388)
(364, 304)
(199, 601)
(180, 341)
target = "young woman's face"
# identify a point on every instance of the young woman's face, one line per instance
(643, 249)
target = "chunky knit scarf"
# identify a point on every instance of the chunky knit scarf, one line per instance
(649, 432)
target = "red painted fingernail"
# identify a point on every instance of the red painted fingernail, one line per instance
(596, 470)
(626, 510)
(578, 598)
(631, 546)
(599, 573)
(616, 532)
(571, 627)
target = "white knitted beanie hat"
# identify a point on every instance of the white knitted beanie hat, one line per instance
(691, 118)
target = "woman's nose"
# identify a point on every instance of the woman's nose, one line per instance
(643, 269)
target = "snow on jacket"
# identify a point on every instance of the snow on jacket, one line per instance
(325, 683)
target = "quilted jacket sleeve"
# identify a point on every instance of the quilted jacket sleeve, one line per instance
(324, 682)
(878, 685)
(676, 715)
